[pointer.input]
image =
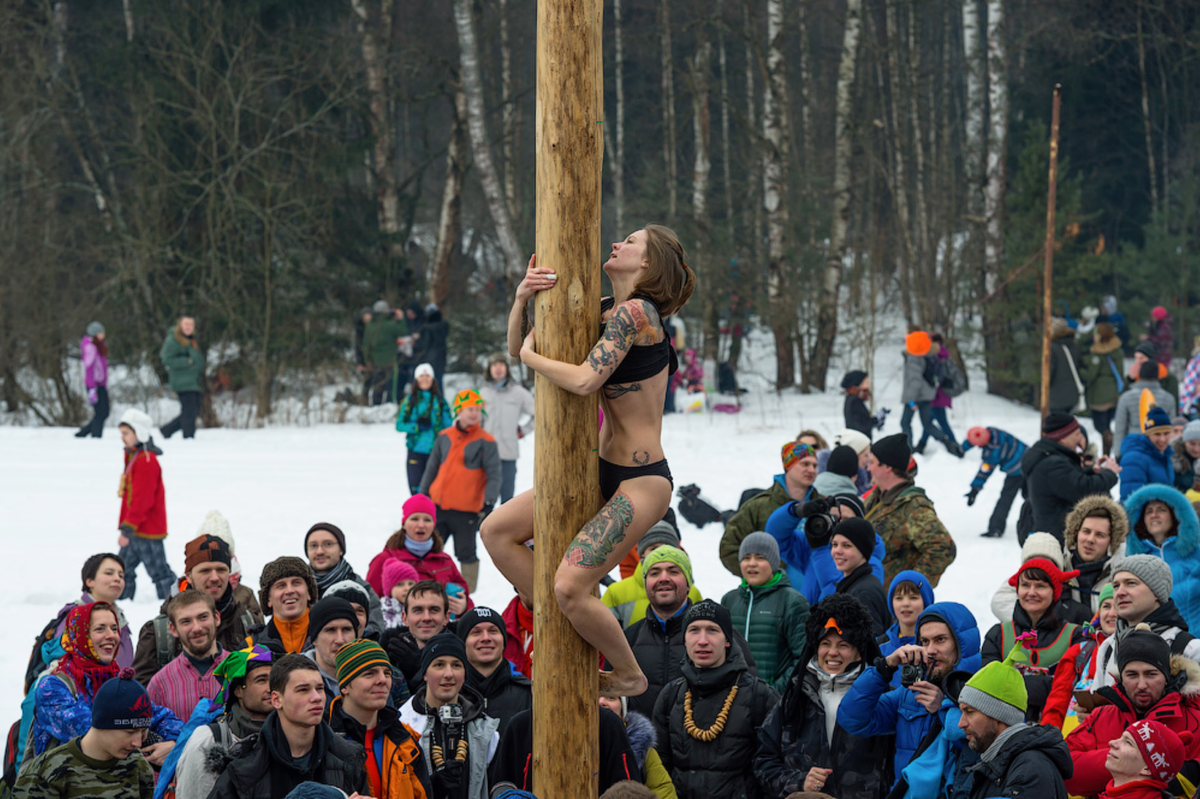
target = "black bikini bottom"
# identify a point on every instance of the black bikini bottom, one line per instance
(612, 475)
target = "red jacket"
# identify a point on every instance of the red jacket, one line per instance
(1141, 789)
(1067, 673)
(435, 566)
(1089, 741)
(518, 625)
(143, 498)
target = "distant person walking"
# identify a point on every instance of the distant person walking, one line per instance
(184, 360)
(380, 340)
(507, 401)
(432, 340)
(94, 351)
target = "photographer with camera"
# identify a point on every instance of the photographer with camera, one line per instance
(458, 740)
(948, 641)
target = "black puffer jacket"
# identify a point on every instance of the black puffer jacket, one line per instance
(863, 585)
(1035, 762)
(261, 766)
(660, 652)
(724, 767)
(1056, 481)
(504, 694)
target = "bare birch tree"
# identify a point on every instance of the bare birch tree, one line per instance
(782, 310)
(450, 215)
(670, 144)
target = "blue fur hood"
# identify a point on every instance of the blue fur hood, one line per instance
(642, 737)
(1188, 535)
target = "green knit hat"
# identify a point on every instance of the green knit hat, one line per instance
(998, 689)
(672, 555)
(1105, 593)
(356, 657)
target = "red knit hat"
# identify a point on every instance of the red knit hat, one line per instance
(1163, 750)
(1056, 575)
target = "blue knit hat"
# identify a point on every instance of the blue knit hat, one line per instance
(1157, 419)
(122, 704)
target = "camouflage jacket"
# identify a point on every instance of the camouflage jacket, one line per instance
(913, 534)
(752, 517)
(65, 772)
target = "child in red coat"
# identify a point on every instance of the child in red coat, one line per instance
(143, 520)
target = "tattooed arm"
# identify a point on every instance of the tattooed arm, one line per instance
(629, 323)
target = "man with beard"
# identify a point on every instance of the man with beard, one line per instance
(332, 624)
(294, 746)
(504, 694)
(949, 640)
(207, 562)
(189, 677)
(1151, 685)
(425, 611)
(237, 712)
(1015, 758)
(657, 640)
(458, 740)
(395, 768)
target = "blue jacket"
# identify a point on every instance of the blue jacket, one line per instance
(202, 716)
(812, 570)
(939, 769)
(894, 639)
(873, 707)
(421, 435)
(1142, 464)
(1179, 551)
(1003, 452)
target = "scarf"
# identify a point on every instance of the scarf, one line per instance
(335, 575)
(225, 603)
(81, 662)
(419, 548)
(1089, 573)
(292, 634)
(1001, 740)
(241, 723)
(776, 578)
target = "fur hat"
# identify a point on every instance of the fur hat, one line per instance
(1118, 524)
(139, 422)
(279, 569)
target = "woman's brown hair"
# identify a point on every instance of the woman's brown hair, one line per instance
(668, 280)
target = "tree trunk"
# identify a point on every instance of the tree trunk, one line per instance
(670, 145)
(974, 164)
(1141, 44)
(618, 156)
(997, 345)
(899, 180)
(510, 120)
(450, 217)
(472, 80)
(782, 310)
(827, 313)
(383, 168)
(701, 175)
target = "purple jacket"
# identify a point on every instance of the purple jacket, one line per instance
(95, 365)
(125, 650)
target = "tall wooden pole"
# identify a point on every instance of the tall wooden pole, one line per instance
(1048, 278)
(569, 151)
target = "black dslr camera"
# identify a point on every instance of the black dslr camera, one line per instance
(913, 672)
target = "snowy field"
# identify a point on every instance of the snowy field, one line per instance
(272, 484)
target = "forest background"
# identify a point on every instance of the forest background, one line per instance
(273, 166)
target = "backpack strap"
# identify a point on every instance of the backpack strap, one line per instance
(164, 644)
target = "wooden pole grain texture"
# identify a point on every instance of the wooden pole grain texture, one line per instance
(1048, 275)
(569, 152)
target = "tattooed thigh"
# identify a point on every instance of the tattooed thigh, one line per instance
(595, 543)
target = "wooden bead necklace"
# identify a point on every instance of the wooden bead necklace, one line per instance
(439, 759)
(718, 726)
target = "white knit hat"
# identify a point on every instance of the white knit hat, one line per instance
(1043, 545)
(139, 422)
(215, 524)
(853, 439)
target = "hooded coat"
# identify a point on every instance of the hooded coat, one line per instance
(643, 740)
(721, 768)
(1057, 481)
(1034, 762)
(1085, 589)
(811, 571)
(794, 737)
(1179, 710)
(772, 619)
(261, 766)
(1142, 464)
(1184, 465)
(915, 387)
(1179, 550)
(437, 566)
(481, 736)
(874, 707)
(1128, 418)
(891, 640)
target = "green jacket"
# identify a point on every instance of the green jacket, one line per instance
(65, 772)
(1097, 375)
(628, 599)
(772, 619)
(184, 362)
(379, 341)
(750, 518)
(912, 533)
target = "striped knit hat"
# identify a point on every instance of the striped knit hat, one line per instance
(356, 657)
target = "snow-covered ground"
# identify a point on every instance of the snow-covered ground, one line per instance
(60, 503)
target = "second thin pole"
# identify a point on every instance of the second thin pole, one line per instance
(1048, 277)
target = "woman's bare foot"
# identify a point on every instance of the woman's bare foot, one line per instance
(616, 685)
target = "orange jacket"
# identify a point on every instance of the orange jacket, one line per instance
(463, 472)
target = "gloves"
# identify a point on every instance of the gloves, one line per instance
(814, 507)
(451, 778)
(881, 417)
(93, 396)
(424, 422)
(405, 655)
(971, 495)
(487, 511)
(520, 433)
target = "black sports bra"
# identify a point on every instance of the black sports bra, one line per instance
(643, 361)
